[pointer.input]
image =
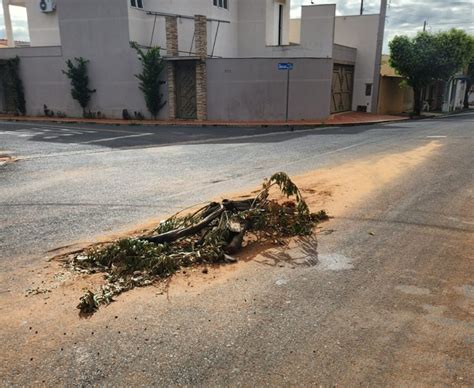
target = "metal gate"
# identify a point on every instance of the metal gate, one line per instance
(342, 88)
(186, 89)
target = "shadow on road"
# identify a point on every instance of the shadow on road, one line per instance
(153, 136)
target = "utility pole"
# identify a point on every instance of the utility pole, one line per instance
(378, 56)
(424, 26)
(361, 7)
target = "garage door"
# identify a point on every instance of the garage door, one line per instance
(342, 87)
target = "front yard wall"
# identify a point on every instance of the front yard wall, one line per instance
(254, 89)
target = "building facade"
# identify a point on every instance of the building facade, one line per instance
(225, 58)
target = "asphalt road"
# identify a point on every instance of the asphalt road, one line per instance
(399, 311)
(75, 182)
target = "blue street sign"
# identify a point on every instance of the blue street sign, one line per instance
(285, 66)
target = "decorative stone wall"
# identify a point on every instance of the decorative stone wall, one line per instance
(172, 36)
(172, 51)
(200, 31)
(172, 108)
(201, 90)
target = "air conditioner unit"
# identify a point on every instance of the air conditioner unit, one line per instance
(47, 6)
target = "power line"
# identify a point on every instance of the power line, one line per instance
(451, 24)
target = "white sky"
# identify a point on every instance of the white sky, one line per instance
(404, 16)
(20, 25)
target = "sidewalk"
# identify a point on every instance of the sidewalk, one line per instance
(341, 119)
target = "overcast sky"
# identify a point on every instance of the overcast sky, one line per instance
(404, 16)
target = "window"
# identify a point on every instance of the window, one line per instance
(368, 90)
(277, 21)
(221, 3)
(136, 3)
(280, 24)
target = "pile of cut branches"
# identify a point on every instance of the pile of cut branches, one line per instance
(212, 234)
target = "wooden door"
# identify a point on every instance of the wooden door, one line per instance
(342, 88)
(186, 89)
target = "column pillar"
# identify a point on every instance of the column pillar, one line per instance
(200, 31)
(378, 57)
(8, 23)
(171, 51)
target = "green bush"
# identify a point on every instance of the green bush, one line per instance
(13, 86)
(150, 77)
(77, 73)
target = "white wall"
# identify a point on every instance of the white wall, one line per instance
(141, 25)
(44, 27)
(317, 30)
(295, 31)
(43, 80)
(98, 32)
(360, 32)
(254, 89)
(251, 32)
(272, 16)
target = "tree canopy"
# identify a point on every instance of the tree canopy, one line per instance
(430, 57)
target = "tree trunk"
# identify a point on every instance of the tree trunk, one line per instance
(174, 235)
(417, 96)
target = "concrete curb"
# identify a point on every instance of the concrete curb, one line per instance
(202, 124)
(442, 115)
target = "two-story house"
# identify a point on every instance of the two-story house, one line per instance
(226, 59)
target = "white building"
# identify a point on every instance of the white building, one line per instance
(221, 67)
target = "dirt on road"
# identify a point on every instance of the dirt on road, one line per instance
(4, 159)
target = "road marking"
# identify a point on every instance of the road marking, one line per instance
(183, 143)
(115, 138)
(72, 127)
(436, 137)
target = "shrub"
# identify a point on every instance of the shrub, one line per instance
(77, 73)
(13, 86)
(150, 77)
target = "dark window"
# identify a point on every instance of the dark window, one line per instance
(280, 25)
(136, 3)
(221, 3)
(368, 89)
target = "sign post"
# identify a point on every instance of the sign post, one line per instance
(287, 67)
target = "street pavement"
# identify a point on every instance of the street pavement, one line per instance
(399, 312)
(75, 182)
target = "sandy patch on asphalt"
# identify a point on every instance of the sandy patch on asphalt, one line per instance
(335, 189)
(4, 159)
(341, 187)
